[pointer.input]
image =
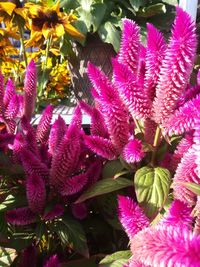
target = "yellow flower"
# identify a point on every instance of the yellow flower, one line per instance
(46, 21)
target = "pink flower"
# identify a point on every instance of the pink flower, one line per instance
(166, 246)
(44, 125)
(12, 108)
(130, 45)
(52, 262)
(55, 212)
(27, 254)
(2, 107)
(20, 216)
(131, 216)
(36, 193)
(176, 66)
(133, 152)
(102, 147)
(30, 90)
(10, 91)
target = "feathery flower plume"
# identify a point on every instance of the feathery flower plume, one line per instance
(186, 172)
(115, 116)
(184, 145)
(196, 140)
(27, 254)
(184, 118)
(102, 147)
(73, 185)
(2, 107)
(156, 47)
(198, 78)
(65, 160)
(57, 132)
(97, 125)
(135, 263)
(131, 216)
(33, 165)
(55, 212)
(20, 216)
(36, 193)
(44, 125)
(179, 215)
(77, 117)
(176, 66)
(17, 147)
(12, 108)
(130, 45)
(30, 90)
(141, 65)
(166, 246)
(6, 140)
(9, 92)
(131, 91)
(79, 210)
(94, 172)
(132, 152)
(53, 261)
(190, 93)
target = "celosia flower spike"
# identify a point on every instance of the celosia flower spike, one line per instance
(12, 108)
(36, 193)
(131, 91)
(30, 90)
(179, 215)
(131, 216)
(77, 117)
(133, 152)
(10, 91)
(2, 107)
(198, 78)
(166, 246)
(130, 45)
(20, 216)
(53, 261)
(55, 212)
(176, 66)
(196, 146)
(44, 125)
(156, 47)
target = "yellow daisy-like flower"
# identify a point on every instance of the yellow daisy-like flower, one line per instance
(46, 21)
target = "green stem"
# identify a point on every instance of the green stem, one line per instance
(137, 125)
(155, 145)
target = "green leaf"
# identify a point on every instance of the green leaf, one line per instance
(40, 230)
(117, 259)
(152, 10)
(110, 34)
(195, 188)
(171, 2)
(136, 4)
(152, 187)
(7, 256)
(72, 235)
(13, 202)
(91, 262)
(105, 186)
(111, 168)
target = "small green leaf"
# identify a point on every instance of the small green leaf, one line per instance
(7, 256)
(111, 168)
(105, 186)
(40, 230)
(117, 259)
(152, 187)
(152, 10)
(195, 188)
(136, 4)
(13, 202)
(171, 2)
(110, 34)
(72, 235)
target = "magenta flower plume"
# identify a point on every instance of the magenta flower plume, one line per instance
(131, 216)
(184, 145)
(166, 246)
(2, 107)
(97, 125)
(44, 125)
(115, 116)
(156, 47)
(133, 152)
(36, 193)
(179, 215)
(183, 119)
(131, 91)
(33, 165)
(79, 211)
(197, 147)
(55, 212)
(12, 108)
(135, 263)
(77, 117)
(94, 172)
(186, 172)
(130, 45)
(17, 147)
(141, 64)
(198, 78)
(66, 158)
(57, 132)
(20, 216)
(190, 93)
(27, 254)
(73, 185)
(6, 140)
(176, 67)
(10, 91)
(30, 90)
(102, 147)
(53, 261)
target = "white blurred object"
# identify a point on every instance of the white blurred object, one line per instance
(190, 6)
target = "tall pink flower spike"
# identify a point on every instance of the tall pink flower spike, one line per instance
(20, 216)
(30, 90)
(176, 66)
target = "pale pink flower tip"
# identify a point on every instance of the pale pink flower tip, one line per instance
(132, 152)
(131, 216)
